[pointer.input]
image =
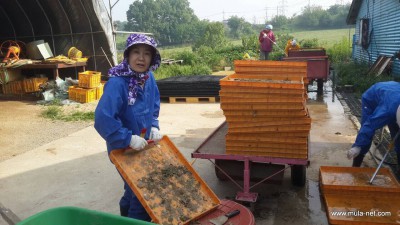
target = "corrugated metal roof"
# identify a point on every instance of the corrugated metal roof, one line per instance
(83, 24)
(353, 12)
(384, 30)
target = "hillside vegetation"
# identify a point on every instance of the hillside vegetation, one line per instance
(326, 38)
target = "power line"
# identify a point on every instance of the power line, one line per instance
(283, 6)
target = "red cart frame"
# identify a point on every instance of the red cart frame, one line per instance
(214, 148)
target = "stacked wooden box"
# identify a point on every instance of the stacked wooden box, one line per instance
(264, 103)
(89, 89)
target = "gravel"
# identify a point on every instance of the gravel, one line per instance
(23, 128)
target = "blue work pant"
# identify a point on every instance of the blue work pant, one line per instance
(131, 207)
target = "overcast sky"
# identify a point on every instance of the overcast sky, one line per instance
(253, 11)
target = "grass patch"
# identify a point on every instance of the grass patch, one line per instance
(171, 51)
(55, 112)
(80, 116)
(52, 112)
(326, 38)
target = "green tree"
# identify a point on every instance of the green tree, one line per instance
(120, 25)
(314, 17)
(171, 21)
(235, 25)
(339, 15)
(280, 21)
(214, 36)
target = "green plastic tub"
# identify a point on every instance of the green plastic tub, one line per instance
(78, 216)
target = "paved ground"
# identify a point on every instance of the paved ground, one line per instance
(23, 129)
(74, 170)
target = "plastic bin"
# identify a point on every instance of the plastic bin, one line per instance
(82, 95)
(78, 216)
(32, 84)
(89, 79)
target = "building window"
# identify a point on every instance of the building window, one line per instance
(364, 33)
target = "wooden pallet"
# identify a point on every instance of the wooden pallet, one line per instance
(193, 99)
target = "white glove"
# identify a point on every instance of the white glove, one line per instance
(155, 134)
(353, 152)
(138, 143)
(265, 35)
(274, 43)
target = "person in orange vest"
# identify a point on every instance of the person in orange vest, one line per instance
(291, 45)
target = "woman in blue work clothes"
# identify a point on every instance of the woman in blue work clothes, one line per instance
(131, 102)
(380, 104)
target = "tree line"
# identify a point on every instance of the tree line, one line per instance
(173, 22)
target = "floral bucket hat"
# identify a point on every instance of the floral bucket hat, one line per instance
(123, 69)
(135, 39)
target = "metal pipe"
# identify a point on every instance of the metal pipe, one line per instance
(23, 11)
(9, 20)
(106, 56)
(69, 22)
(48, 21)
(58, 35)
(91, 30)
(277, 45)
(129, 32)
(391, 147)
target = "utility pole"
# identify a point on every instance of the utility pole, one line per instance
(283, 5)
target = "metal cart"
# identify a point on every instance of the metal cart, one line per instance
(214, 148)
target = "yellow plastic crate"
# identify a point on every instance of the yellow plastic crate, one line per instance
(13, 88)
(32, 84)
(89, 79)
(6, 89)
(82, 95)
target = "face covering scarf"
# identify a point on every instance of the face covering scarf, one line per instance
(135, 81)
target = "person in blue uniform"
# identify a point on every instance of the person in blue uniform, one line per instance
(380, 104)
(131, 102)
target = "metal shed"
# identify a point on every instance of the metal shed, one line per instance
(377, 30)
(84, 24)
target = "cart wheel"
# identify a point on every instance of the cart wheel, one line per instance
(298, 175)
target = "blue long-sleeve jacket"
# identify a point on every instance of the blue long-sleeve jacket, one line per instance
(116, 121)
(379, 107)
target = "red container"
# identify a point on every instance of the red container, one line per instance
(317, 66)
(317, 62)
(306, 52)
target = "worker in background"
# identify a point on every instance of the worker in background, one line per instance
(267, 40)
(380, 107)
(292, 46)
(131, 102)
(246, 56)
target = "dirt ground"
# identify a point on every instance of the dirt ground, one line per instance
(23, 128)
